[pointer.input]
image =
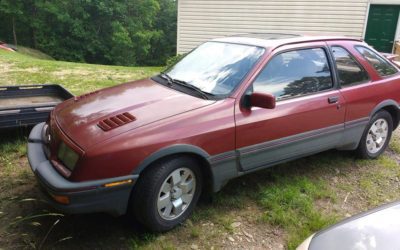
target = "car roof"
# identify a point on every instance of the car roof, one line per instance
(268, 40)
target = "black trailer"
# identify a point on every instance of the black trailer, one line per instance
(29, 104)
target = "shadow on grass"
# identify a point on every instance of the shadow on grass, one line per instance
(10, 135)
(104, 231)
(317, 167)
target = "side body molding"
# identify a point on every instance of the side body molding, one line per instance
(225, 166)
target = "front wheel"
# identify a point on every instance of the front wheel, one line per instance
(377, 135)
(167, 193)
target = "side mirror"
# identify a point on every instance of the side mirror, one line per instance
(262, 100)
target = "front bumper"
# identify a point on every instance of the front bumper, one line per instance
(84, 197)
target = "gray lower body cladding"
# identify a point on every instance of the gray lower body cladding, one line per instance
(260, 156)
(84, 197)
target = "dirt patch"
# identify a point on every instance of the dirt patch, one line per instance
(6, 67)
(234, 220)
(236, 229)
(100, 74)
(73, 72)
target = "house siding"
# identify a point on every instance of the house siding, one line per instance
(202, 20)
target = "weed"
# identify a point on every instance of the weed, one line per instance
(387, 162)
(395, 144)
(194, 232)
(225, 222)
(290, 205)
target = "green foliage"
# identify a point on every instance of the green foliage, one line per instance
(33, 53)
(134, 32)
(174, 59)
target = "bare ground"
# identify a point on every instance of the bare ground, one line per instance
(234, 220)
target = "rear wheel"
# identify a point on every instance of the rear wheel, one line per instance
(377, 135)
(167, 193)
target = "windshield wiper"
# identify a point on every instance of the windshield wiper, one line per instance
(171, 80)
(166, 77)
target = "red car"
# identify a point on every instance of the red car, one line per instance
(4, 46)
(230, 107)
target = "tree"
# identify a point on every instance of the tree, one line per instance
(122, 32)
(163, 44)
(12, 10)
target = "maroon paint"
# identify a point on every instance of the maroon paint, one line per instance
(263, 100)
(363, 98)
(165, 117)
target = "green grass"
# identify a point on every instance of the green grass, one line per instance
(293, 200)
(290, 205)
(395, 144)
(28, 66)
(387, 162)
(33, 53)
(78, 78)
(11, 155)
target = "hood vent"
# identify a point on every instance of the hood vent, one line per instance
(78, 98)
(116, 121)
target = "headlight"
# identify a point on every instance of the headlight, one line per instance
(67, 156)
(46, 138)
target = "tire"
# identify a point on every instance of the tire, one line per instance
(369, 146)
(158, 188)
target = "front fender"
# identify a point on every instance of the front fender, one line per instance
(171, 150)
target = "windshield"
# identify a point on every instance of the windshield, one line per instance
(215, 67)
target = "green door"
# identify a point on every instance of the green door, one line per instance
(381, 27)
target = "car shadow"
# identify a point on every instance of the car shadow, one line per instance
(125, 230)
(104, 231)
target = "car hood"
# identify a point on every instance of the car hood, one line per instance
(375, 229)
(146, 100)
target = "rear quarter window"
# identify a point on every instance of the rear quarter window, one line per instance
(383, 67)
(349, 70)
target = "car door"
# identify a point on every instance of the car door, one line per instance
(367, 81)
(309, 113)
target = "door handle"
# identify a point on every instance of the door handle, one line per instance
(333, 99)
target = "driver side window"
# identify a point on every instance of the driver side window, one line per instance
(295, 73)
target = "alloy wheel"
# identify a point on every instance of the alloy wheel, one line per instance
(377, 136)
(176, 193)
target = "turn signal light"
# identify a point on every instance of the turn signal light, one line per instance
(117, 183)
(61, 199)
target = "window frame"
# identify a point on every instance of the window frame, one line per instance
(380, 56)
(329, 60)
(357, 62)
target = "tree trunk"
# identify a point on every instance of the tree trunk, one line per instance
(33, 27)
(33, 37)
(14, 32)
